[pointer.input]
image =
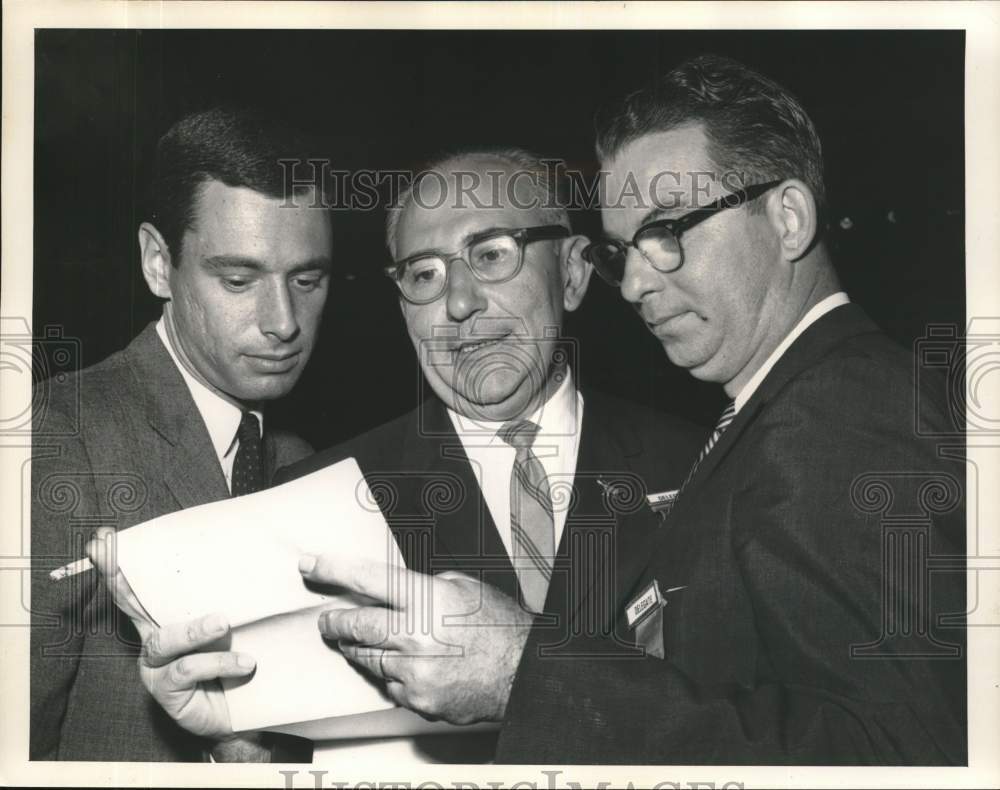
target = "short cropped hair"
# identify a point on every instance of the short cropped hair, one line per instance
(754, 126)
(544, 184)
(239, 147)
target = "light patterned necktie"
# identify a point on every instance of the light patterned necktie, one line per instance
(727, 417)
(248, 466)
(532, 527)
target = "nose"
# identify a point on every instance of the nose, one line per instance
(640, 279)
(464, 296)
(276, 313)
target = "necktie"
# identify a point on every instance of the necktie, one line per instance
(531, 524)
(248, 467)
(727, 417)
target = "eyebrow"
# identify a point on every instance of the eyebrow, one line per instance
(467, 239)
(655, 213)
(658, 212)
(218, 262)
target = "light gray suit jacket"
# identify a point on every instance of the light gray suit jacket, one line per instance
(114, 445)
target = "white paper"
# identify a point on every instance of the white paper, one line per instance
(240, 557)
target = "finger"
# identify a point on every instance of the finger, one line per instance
(392, 584)
(374, 659)
(397, 692)
(188, 671)
(457, 576)
(366, 625)
(101, 550)
(178, 639)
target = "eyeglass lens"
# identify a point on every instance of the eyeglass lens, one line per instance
(491, 260)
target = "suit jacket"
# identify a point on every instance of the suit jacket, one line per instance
(419, 473)
(807, 630)
(114, 445)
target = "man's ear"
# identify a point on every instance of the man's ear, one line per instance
(576, 271)
(155, 260)
(792, 212)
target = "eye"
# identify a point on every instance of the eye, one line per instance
(494, 252)
(236, 283)
(421, 273)
(309, 282)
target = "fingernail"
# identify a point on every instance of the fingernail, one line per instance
(215, 624)
(324, 622)
(243, 661)
(306, 563)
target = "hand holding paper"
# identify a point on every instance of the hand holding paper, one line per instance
(448, 645)
(181, 678)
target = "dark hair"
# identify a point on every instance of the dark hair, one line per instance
(753, 125)
(236, 146)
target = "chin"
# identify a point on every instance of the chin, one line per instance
(490, 403)
(269, 389)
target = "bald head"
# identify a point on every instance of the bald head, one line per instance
(484, 180)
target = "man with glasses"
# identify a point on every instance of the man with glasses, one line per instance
(525, 498)
(787, 608)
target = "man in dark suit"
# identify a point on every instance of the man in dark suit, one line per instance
(485, 277)
(787, 607)
(172, 421)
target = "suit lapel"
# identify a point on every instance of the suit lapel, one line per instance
(464, 534)
(815, 343)
(190, 468)
(609, 521)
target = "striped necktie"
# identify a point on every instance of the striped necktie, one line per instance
(532, 527)
(727, 417)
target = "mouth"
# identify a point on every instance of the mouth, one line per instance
(470, 347)
(274, 363)
(665, 325)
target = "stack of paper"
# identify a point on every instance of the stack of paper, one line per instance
(240, 557)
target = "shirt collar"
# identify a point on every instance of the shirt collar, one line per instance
(818, 311)
(221, 417)
(555, 417)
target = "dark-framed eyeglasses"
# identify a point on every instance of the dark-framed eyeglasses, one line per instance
(659, 241)
(494, 256)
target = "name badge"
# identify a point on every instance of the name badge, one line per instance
(662, 501)
(647, 602)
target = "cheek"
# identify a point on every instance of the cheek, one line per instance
(420, 322)
(309, 310)
(213, 323)
(191, 314)
(537, 302)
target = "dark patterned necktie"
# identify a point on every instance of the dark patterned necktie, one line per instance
(532, 526)
(248, 466)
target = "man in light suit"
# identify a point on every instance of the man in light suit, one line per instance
(485, 277)
(788, 609)
(172, 421)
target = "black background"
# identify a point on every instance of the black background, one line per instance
(888, 106)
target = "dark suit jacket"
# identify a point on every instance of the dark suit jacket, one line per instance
(117, 444)
(419, 472)
(807, 630)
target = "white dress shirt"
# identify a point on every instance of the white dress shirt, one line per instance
(818, 311)
(555, 445)
(221, 417)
